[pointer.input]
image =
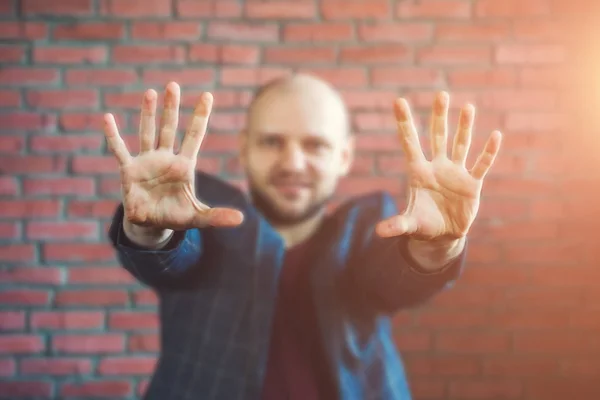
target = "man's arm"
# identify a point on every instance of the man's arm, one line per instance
(159, 259)
(386, 275)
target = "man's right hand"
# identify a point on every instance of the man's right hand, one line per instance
(158, 186)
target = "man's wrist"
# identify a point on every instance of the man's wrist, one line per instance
(432, 255)
(147, 237)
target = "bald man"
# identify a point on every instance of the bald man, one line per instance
(265, 295)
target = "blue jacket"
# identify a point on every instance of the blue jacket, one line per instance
(217, 290)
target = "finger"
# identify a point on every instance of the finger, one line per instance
(147, 130)
(170, 117)
(462, 139)
(487, 156)
(197, 130)
(439, 125)
(409, 138)
(396, 226)
(218, 217)
(114, 140)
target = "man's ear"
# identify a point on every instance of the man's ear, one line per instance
(347, 156)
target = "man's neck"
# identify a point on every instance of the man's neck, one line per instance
(294, 234)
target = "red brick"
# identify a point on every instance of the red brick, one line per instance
(149, 8)
(354, 9)
(486, 389)
(26, 388)
(442, 366)
(435, 9)
(21, 344)
(530, 54)
(12, 53)
(10, 98)
(375, 54)
(87, 297)
(17, 252)
(224, 54)
(406, 77)
(81, 252)
(235, 76)
(10, 230)
(373, 99)
(536, 31)
(28, 76)
(555, 343)
(65, 143)
(472, 342)
(29, 208)
(145, 54)
(412, 340)
(7, 367)
(279, 10)
(23, 30)
(122, 320)
(512, 8)
(69, 55)
(518, 366)
(92, 208)
(446, 319)
(32, 275)
(24, 297)
(428, 388)
(52, 231)
(454, 55)
(84, 121)
(236, 31)
(473, 32)
(401, 32)
(89, 31)
(11, 321)
(172, 30)
(99, 275)
(126, 365)
(55, 366)
(65, 7)
(356, 185)
(300, 55)
(539, 76)
(94, 164)
(345, 77)
(59, 186)
(144, 343)
(62, 99)
(66, 320)
(88, 344)
(22, 120)
(145, 297)
(482, 77)
(317, 32)
(33, 164)
(7, 8)
(374, 121)
(556, 388)
(208, 8)
(103, 388)
(8, 186)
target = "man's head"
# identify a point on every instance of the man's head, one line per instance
(296, 145)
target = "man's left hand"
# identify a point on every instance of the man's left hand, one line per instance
(443, 195)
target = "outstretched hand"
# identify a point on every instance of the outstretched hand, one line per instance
(158, 185)
(444, 195)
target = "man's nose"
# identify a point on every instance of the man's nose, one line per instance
(293, 158)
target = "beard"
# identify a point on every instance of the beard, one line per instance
(277, 217)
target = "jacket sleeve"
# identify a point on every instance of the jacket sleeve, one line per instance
(383, 277)
(169, 267)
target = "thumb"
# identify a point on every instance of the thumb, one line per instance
(396, 226)
(219, 217)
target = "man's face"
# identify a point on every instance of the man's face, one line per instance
(294, 151)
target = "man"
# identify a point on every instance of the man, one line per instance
(266, 296)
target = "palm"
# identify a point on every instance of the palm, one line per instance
(158, 186)
(443, 196)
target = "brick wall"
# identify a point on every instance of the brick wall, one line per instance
(521, 324)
